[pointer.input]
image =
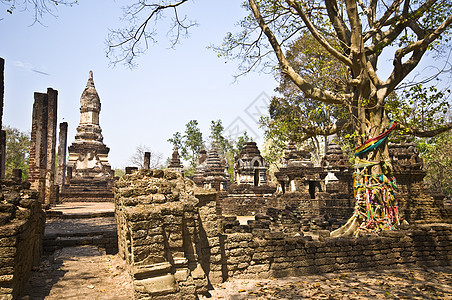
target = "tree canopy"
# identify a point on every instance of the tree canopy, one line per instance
(17, 151)
(190, 143)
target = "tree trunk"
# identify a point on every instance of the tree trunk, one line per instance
(375, 205)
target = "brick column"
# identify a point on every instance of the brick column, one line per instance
(38, 145)
(147, 160)
(68, 175)
(61, 161)
(2, 151)
(2, 95)
(52, 96)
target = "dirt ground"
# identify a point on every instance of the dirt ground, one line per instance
(87, 273)
(409, 283)
(83, 272)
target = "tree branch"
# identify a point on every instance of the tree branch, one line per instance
(309, 90)
(318, 36)
(422, 44)
(128, 40)
(381, 22)
(339, 25)
(426, 133)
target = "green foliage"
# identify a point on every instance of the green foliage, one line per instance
(17, 151)
(192, 142)
(189, 144)
(119, 172)
(437, 155)
(293, 117)
(421, 107)
(227, 149)
(216, 136)
(176, 140)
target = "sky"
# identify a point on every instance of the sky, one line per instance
(143, 106)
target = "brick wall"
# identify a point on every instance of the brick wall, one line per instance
(268, 254)
(174, 239)
(21, 231)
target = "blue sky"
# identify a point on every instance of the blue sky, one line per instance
(145, 105)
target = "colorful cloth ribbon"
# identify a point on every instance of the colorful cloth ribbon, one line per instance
(375, 205)
(373, 143)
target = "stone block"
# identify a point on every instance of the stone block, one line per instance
(156, 286)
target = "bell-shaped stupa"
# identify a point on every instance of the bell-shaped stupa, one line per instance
(89, 172)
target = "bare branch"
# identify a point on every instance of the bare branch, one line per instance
(422, 44)
(128, 42)
(317, 35)
(309, 90)
(137, 159)
(39, 8)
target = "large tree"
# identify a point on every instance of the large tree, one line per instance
(361, 35)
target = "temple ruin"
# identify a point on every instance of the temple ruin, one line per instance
(89, 174)
(180, 236)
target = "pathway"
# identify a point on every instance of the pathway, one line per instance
(75, 264)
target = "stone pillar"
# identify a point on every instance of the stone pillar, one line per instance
(38, 145)
(3, 153)
(52, 96)
(68, 174)
(61, 161)
(2, 94)
(147, 160)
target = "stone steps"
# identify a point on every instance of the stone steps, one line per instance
(80, 224)
(104, 240)
(61, 215)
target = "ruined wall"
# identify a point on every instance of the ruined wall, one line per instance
(416, 204)
(38, 145)
(265, 254)
(247, 200)
(159, 234)
(21, 232)
(172, 236)
(60, 177)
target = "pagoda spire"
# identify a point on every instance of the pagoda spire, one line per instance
(90, 82)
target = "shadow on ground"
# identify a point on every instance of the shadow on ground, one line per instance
(83, 272)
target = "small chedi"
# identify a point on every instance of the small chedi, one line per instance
(250, 167)
(251, 193)
(211, 172)
(175, 163)
(416, 204)
(89, 175)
